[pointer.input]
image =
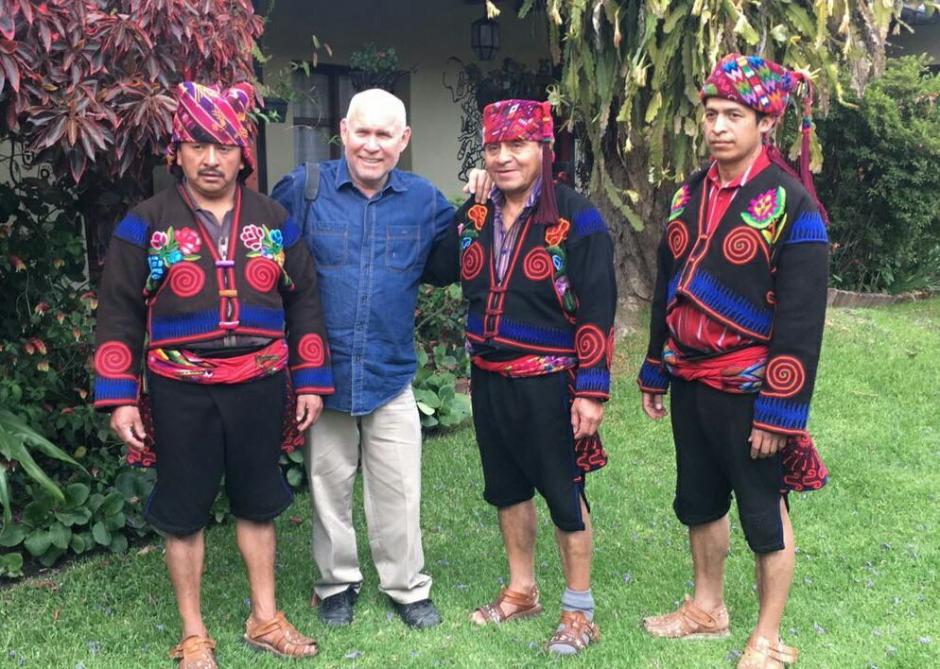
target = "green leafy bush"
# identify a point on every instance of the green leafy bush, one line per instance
(443, 364)
(18, 441)
(881, 182)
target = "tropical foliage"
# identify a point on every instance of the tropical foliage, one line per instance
(86, 81)
(634, 68)
(631, 72)
(881, 182)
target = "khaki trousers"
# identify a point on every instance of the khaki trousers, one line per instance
(388, 441)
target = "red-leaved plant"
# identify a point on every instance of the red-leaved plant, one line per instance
(89, 81)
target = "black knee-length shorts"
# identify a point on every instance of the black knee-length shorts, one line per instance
(523, 429)
(205, 432)
(711, 430)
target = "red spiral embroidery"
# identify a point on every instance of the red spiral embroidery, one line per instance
(591, 344)
(113, 358)
(262, 274)
(310, 349)
(610, 348)
(537, 265)
(677, 237)
(785, 376)
(471, 262)
(186, 279)
(741, 245)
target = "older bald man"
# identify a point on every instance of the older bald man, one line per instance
(370, 227)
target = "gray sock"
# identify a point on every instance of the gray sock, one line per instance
(578, 600)
(574, 600)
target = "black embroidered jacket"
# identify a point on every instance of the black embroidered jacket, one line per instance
(763, 272)
(164, 280)
(558, 295)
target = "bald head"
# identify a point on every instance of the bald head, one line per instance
(374, 135)
(375, 100)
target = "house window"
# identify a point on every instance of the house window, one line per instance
(322, 99)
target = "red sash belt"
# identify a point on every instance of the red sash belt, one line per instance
(186, 365)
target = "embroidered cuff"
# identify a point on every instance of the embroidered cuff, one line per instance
(779, 415)
(313, 380)
(593, 382)
(653, 378)
(111, 392)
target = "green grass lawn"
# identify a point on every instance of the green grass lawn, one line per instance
(866, 592)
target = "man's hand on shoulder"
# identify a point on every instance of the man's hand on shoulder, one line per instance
(586, 416)
(479, 185)
(309, 408)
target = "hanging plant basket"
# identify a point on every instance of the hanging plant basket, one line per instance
(365, 79)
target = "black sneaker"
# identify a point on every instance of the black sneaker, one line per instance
(419, 615)
(338, 609)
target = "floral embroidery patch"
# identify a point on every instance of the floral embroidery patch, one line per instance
(470, 233)
(168, 248)
(679, 202)
(477, 214)
(262, 242)
(558, 233)
(765, 212)
(554, 237)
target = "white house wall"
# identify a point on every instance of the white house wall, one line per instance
(425, 34)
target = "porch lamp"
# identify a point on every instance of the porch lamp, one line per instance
(484, 38)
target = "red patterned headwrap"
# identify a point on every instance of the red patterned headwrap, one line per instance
(765, 87)
(508, 120)
(209, 114)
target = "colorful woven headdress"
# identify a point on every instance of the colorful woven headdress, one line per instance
(765, 86)
(530, 120)
(209, 114)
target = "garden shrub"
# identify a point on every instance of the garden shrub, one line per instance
(881, 182)
(442, 357)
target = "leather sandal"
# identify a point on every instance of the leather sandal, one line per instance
(278, 636)
(195, 652)
(527, 606)
(762, 654)
(690, 622)
(573, 635)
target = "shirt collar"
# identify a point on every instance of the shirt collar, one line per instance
(758, 165)
(395, 180)
(199, 210)
(496, 195)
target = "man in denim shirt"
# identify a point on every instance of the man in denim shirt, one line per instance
(370, 228)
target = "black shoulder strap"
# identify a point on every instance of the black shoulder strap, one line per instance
(311, 187)
(312, 182)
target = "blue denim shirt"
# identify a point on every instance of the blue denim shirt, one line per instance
(370, 254)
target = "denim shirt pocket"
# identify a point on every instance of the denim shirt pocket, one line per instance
(402, 243)
(327, 240)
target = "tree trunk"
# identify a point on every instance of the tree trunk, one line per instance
(634, 250)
